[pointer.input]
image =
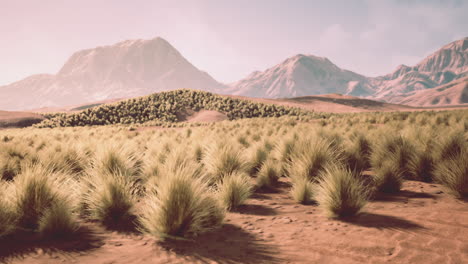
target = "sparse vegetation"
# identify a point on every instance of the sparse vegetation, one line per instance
(165, 107)
(174, 183)
(234, 190)
(340, 193)
(180, 206)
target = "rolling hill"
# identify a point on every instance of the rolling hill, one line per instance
(18, 119)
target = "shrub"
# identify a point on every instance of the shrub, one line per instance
(8, 215)
(357, 153)
(115, 159)
(339, 193)
(57, 221)
(234, 190)
(311, 158)
(452, 145)
(388, 177)
(43, 203)
(255, 156)
(268, 175)
(109, 198)
(13, 157)
(394, 149)
(68, 159)
(421, 167)
(451, 168)
(453, 174)
(283, 152)
(302, 191)
(222, 159)
(181, 206)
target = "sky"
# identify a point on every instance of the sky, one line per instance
(230, 39)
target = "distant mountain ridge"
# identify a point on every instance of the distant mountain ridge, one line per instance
(443, 66)
(303, 75)
(140, 67)
(126, 69)
(452, 93)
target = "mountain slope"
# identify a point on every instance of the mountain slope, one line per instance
(127, 69)
(443, 66)
(301, 75)
(453, 93)
(309, 75)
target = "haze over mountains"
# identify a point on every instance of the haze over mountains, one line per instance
(139, 67)
(127, 69)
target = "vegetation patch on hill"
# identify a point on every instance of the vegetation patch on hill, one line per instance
(166, 107)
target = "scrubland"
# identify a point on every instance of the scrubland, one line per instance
(179, 183)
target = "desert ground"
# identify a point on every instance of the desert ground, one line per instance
(305, 187)
(421, 224)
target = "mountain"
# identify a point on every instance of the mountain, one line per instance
(301, 75)
(127, 69)
(304, 75)
(453, 93)
(443, 66)
(139, 67)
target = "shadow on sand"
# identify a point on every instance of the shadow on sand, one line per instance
(20, 244)
(255, 209)
(402, 196)
(382, 222)
(229, 244)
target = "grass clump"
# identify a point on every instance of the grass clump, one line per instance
(117, 159)
(283, 152)
(255, 156)
(396, 150)
(8, 215)
(311, 158)
(453, 174)
(68, 159)
(234, 190)
(358, 152)
(387, 177)
(108, 198)
(302, 191)
(43, 203)
(13, 157)
(223, 159)
(180, 206)
(268, 175)
(339, 193)
(451, 170)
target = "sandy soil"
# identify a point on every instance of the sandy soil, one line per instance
(207, 116)
(421, 224)
(333, 103)
(18, 119)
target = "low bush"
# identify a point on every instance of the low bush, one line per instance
(339, 193)
(180, 206)
(234, 190)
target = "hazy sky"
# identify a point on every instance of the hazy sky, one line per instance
(230, 39)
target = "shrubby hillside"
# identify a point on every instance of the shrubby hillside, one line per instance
(166, 107)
